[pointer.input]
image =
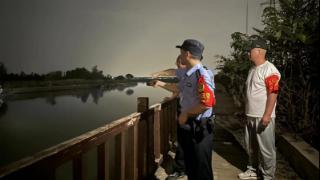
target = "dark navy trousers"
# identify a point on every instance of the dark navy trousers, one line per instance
(197, 150)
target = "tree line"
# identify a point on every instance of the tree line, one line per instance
(77, 73)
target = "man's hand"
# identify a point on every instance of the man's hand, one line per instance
(183, 117)
(265, 120)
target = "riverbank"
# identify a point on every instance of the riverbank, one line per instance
(24, 87)
(14, 88)
(17, 87)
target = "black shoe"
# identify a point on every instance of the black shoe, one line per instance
(182, 174)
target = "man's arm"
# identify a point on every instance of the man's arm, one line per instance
(272, 85)
(172, 87)
(271, 101)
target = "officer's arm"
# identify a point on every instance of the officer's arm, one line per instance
(167, 72)
(173, 96)
(207, 100)
(196, 110)
(206, 97)
(172, 87)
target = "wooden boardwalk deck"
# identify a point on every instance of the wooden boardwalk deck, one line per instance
(229, 157)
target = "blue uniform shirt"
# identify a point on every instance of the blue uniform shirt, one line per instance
(188, 87)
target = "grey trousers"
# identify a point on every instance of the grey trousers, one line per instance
(260, 146)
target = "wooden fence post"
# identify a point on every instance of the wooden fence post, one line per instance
(102, 164)
(142, 144)
(79, 170)
(143, 104)
(157, 138)
(135, 151)
(123, 155)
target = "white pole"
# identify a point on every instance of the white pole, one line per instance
(247, 17)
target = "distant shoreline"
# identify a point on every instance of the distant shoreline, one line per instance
(21, 87)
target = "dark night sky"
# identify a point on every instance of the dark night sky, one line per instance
(120, 36)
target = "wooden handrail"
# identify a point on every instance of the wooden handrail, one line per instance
(147, 132)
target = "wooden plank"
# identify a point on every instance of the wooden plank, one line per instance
(162, 130)
(102, 163)
(116, 170)
(123, 155)
(142, 148)
(79, 171)
(135, 151)
(150, 146)
(108, 160)
(142, 107)
(166, 130)
(170, 120)
(130, 154)
(132, 151)
(157, 136)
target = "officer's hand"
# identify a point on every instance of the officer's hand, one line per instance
(152, 83)
(167, 98)
(265, 120)
(156, 83)
(183, 117)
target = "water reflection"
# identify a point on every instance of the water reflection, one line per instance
(129, 92)
(83, 94)
(51, 100)
(30, 123)
(3, 108)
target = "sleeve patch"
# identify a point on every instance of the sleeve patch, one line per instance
(206, 95)
(272, 83)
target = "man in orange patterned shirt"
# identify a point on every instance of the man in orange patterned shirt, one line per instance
(262, 91)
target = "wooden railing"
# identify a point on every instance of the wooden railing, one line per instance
(141, 141)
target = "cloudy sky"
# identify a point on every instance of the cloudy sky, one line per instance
(120, 36)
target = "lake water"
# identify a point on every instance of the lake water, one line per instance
(33, 122)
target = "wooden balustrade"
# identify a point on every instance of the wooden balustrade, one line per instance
(141, 141)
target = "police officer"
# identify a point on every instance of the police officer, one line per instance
(196, 111)
(179, 165)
